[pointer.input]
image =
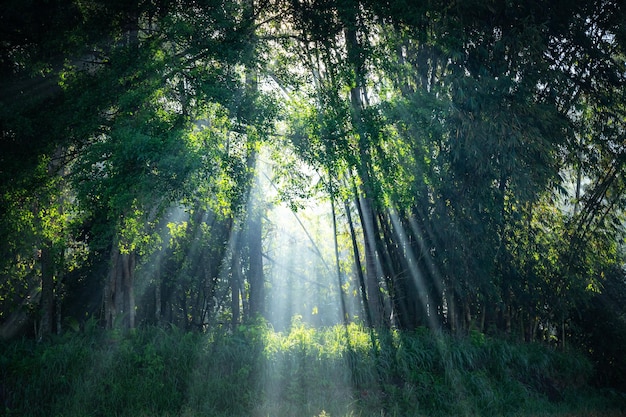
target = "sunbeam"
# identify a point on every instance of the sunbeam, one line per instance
(148, 275)
(414, 271)
(312, 208)
(301, 281)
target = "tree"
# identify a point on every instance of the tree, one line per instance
(475, 151)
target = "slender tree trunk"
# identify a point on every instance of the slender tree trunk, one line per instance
(256, 279)
(358, 101)
(394, 266)
(157, 296)
(483, 315)
(111, 289)
(118, 277)
(119, 294)
(507, 318)
(467, 314)
(344, 310)
(235, 279)
(372, 267)
(47, 290)
(128, 295)
(401, 287)
(51, 262)
(452, 318)
(58, 291)
(579, 175)
(359, 268)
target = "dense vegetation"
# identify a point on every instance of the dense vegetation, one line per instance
(332, 372)
(469, 159)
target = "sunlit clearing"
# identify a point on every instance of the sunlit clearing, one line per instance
(303, 343)
(304, 308)
(301, 279)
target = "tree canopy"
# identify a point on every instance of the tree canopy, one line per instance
(472, 153)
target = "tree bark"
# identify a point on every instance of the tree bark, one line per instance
(358, 101)
(254, 226)
(119, 293)
(235, 279)
(359, 268)
(128, 295)
(255, 273)
(47, 290)
(372, 267)
(157, 296)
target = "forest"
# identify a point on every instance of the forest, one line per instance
(378, 201)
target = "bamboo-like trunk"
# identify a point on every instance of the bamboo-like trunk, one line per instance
(58, 291)
(483, 315)
(235, 278)
(255, 252)
(371, 264)
(452, 319)
(359, 268)
(128, 294)
(467, 313)
(110, 289)
(47, 290)
(157, 296)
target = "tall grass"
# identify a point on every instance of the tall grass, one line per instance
(253, 371)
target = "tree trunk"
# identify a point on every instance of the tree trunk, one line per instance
(507, 319)
(256, 278)
(157, 296)
(413, 288)
(128, 281)
(358, 101)
(358, 266)
(119, 294)
(110, 289)
(235, 279)
(372, 267)
(58, 290)
(467, 314)
(47, 290)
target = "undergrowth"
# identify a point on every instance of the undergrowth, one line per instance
(253, 371)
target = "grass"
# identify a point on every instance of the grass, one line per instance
(331, 372)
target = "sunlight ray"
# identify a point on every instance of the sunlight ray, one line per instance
(299, 275)
(373, 263)
(148, 274)
(414, 270)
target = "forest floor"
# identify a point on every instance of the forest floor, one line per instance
(331, 372)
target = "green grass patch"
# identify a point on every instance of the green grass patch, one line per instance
(254, 371)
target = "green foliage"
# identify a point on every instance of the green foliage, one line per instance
(255, 371)
(485, 139)
(471, 122)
